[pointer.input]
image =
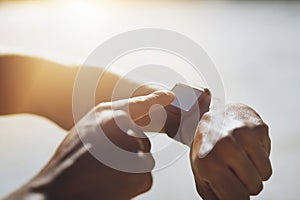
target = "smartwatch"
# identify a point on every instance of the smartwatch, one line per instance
(190, 103)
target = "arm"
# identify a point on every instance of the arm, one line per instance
(42, 87)
(96, 169)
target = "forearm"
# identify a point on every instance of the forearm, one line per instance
(54, 99)
(36, 86)
(45, 88)
(16, 79)
(26, 193)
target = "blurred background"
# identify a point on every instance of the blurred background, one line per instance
(255, 46)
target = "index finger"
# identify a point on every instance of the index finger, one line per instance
(139, 107)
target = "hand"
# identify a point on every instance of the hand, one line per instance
(73, 173)
(231, 163)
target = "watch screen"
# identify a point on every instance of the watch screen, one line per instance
(186, 96)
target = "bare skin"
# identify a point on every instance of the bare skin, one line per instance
(42, 87)
(73, 173)
(239, 161)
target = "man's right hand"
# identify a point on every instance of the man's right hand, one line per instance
(74, 173)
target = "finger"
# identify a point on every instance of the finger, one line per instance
(126, 135)
(227, 187)
(120, 129)
(139, 135)
(205, 191)
(140, 106)
(262, 133)
(141, 182)
(261, 160)
(240, 164)
(256, 153)
(135, 184)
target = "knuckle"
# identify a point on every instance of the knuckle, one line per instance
(156, 94)
(140, 183)
(103, 106)
(140, 99)
(262, 129)
(143, 182)
(120, 114)
(257, 188)
(224, 144)
(148, 181)
(242, 137)
(238, 132)
(267, 173)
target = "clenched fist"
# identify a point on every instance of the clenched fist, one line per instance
(231, 162)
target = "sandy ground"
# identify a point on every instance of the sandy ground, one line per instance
(255, 46)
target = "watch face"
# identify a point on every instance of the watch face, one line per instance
(186, 96)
